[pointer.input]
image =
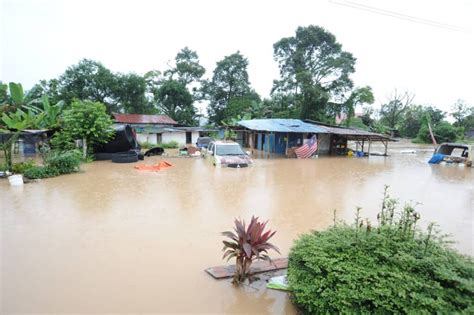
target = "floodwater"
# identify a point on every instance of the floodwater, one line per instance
(116, 240)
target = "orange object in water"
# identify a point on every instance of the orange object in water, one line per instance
(158, 167)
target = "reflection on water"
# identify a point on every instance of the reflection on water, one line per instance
(113, 239)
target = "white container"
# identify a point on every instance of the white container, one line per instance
(15, 180)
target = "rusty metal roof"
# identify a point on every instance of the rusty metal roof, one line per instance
(144, 119)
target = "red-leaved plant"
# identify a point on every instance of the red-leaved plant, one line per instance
(248, 244)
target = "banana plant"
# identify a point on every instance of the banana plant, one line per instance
(50, 113)
(16, 121)
(21, 120)
(16, 93)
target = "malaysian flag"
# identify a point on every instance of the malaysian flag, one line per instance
(307, 149)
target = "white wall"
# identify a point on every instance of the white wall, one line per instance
(194, 137)
(147, 137)
(179, 137)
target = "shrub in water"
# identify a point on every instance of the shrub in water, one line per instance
(38, 172)
(22, 167)
(56, 163)
(169, 145)
(65, 162)
(391, 268)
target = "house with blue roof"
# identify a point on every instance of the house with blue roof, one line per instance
(279, 135)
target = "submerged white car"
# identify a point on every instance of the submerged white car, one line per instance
(227, 154)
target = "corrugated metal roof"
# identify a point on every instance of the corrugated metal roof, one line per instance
(144, 119)
(281, 125)
(352, 132)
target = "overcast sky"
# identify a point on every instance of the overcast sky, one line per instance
(426, 47)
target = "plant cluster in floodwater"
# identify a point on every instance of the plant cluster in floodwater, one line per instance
(392, 267)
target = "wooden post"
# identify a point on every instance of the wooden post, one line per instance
(287, 139)
(362, 145)
(370, 143)
(386, 147)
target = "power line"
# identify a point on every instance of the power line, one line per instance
(397, 15)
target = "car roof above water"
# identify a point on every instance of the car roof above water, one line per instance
(225, 142)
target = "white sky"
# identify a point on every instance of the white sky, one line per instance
(40, 39)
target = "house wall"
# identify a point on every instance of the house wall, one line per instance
(179, 137)
(147, 137)
(195, 136)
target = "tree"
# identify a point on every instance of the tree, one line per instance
(187, 69)
(230, 80)
(366, 116)
(15, 119)
(44, 87)
(391, 112)
(463, 114)
(358, 96)
(241, 104)
(130, 94)
(313, 70)
(88, 121)
(89, 80)
(443, 132)
(411, 121)
(175, 101)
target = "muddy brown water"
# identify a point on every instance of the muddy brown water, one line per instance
(116, 240)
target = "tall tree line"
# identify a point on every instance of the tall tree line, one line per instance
(314, 83)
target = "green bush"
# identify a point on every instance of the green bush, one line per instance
(65, 162)
(38, 172)
(169, 145)
(443, 132)
(22, 167)
(56, 163)
(391, 268)
(166, 145)
(147, 145)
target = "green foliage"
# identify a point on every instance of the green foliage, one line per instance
(22, 167)
(65, 162)
(16, 93)
(242, 104)
(3, 93)
(87, 121)
(463, 114)
(392, 112)
(359, 96)
(175, 101)
(62, 141)
(165, 145)
(38, 172)
(443, 132)
(50, 114)
(49, 88)
(187, 69)
(56, 163)
(355, 122)
(21, 120)
(230, 81)
(391, 268)
(147, 145)
(168, 145)
(129, 94)
(88, 80)
(247, 244)
(313, 70)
